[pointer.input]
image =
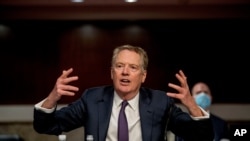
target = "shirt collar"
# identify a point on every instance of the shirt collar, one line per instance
(133, 103)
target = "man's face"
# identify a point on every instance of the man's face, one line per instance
(201, 87)
(127, 73)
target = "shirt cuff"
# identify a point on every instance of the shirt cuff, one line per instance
(206, 115)
(39, 107)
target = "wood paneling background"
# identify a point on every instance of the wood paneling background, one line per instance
(33, 54)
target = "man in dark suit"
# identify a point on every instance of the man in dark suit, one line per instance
(203, 97)
(149, 114)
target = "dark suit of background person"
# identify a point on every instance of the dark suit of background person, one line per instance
(203, 97)
(93, 111)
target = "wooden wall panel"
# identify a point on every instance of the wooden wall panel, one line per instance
(34, 53)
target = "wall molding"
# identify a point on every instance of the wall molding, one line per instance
(24, 113)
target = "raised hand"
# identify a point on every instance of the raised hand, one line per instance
(184, 95)
(61, 88)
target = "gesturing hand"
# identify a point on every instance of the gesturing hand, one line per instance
(184, 94)
(61, 88)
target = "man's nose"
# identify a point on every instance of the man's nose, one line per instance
(125, 70)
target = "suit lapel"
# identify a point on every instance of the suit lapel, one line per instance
(146, 115)
(104, 112)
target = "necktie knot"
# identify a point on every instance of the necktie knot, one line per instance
(124, 104)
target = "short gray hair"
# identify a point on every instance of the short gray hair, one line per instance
(136, 49)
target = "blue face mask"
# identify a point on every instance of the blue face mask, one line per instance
(203, 100)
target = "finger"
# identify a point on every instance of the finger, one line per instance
(182, 78)
(182, 74)
(176, 87)
(68, 88)
(66, 73)
(68, 93)
(69, 79)
(173, 95)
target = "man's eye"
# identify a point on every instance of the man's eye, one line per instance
(134, 68)
(118, 66)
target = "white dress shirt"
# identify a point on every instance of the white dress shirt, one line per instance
(133, 118)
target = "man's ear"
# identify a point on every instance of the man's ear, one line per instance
(111, 73)
(144, 76)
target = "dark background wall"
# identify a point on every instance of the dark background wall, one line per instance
(33, 54)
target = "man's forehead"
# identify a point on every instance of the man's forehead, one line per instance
(128, 56)
(200, 87)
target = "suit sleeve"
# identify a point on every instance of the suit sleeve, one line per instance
(63, 120)
(184, 126)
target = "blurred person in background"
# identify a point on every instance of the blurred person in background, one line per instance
(203, 97)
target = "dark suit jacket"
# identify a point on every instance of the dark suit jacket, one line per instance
(93, 111)
(221, 129)
(220, 126)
